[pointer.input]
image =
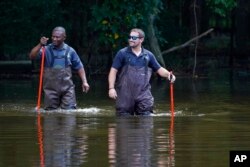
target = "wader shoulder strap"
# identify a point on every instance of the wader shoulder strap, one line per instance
(146, 59)
(66, 56)
(53, 56)
(127, 62)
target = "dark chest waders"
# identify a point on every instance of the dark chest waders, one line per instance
(134, 90)
(59, 89)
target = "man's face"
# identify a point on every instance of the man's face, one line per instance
(58, 38)
(134, 39)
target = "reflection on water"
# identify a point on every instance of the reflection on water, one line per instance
(40, 139)
(211, 118)
(171, 143)
(60, 140)
(131, 141)
(62, 147)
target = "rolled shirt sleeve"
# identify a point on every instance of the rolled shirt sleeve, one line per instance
(76, 62)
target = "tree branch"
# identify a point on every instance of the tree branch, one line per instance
(187, 43)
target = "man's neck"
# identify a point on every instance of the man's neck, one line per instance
(137, 50)
(59, 46)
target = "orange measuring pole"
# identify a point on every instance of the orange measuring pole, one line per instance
(171, 143)
(40, 80)
(171, 95)
(40, 140)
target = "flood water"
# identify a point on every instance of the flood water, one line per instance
(211, 118)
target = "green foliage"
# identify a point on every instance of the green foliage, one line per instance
(220, 9)
(108, 21)
(21, 22)
(113, 19)
(97, 28)
(172, 30)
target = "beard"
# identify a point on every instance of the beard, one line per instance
(133, 45)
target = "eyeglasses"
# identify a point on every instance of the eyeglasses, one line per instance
(133, 37)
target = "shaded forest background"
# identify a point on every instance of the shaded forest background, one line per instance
(98, 29)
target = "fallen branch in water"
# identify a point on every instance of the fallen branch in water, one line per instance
(187, 43)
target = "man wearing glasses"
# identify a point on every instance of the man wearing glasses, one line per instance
(130, 74)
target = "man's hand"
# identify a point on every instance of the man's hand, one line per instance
(112, 93)
(43, 41)
(85, 87)
(171, 78)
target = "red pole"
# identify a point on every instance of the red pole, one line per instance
(40, 140)
(171, 95)
(171, 131)
(40, 80)
(171, 142)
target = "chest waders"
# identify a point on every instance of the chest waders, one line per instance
(59, 89)
(134, 90)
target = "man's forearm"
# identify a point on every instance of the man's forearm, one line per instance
(34, 52)
(82, 75)
(163, 72)
(112, 78)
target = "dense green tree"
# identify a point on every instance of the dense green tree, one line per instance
(97, 29)
(112, 21)
(21, 24)
(220, 12)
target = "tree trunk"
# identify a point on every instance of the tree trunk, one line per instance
(153, 41)
(195, 10)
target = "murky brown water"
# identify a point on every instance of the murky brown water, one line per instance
(211, 118)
